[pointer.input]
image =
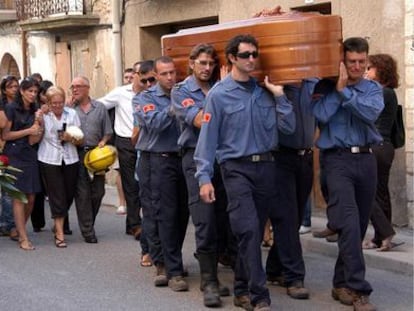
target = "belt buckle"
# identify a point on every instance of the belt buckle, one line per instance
(355, 149)
(256, 158)
(301, 152)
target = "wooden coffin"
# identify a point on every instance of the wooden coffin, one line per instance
(292, 46)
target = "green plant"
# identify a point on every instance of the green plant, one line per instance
(7, 179)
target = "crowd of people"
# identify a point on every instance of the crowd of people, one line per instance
(232, 152)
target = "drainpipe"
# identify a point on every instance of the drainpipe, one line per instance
(24, 54)
(116, 31)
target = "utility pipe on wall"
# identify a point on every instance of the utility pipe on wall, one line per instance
(116, 31)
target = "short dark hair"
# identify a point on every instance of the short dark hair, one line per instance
(134, 66)
(146, 66)
(128, 70)
(233, 45)
(44, 85)
(386, 66)
(37, 76)
(356, 44)
(162, 59)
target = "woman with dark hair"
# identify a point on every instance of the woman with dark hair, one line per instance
(38, 213)
(23, 130)
(383, 69)
(8, 89)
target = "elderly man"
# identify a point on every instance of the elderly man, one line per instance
(96, 126)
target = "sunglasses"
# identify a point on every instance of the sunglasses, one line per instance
(247, 54)
(150, 80)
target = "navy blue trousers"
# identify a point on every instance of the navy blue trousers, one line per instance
(351, 182)
(250, 192)
(294, 177)
(163, 195)
(210, 220)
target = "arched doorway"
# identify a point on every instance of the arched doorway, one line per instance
(8, 66)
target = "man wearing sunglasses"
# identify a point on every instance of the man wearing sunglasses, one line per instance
(120, 98)
(240, 129)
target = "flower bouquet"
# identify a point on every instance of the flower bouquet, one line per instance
(7, 179)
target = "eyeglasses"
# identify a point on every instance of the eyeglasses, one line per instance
(72, 87)
(56, 104)
(247, 54)
(205, 63)
(150, 80)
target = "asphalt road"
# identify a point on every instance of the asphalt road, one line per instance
(107, 276)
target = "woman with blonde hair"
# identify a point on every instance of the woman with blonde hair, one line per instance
(58, 159)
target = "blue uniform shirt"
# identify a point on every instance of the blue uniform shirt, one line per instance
(187, 99)
(300, 97)
(347, 118)
(238, 122)
(159, 130)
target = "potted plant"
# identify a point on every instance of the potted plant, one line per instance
(7, 179)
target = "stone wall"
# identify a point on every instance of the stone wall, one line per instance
(409, 105)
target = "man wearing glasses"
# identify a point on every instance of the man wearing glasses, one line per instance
(210, 220)
(240, 129)
(97, 130)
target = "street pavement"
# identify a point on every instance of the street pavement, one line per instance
(107, 275)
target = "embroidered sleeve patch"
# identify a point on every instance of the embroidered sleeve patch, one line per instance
(148, 107)
(187, 102)
(206, 117)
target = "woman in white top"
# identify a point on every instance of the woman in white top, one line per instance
(58, 159)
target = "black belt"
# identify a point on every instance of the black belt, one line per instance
(299, 152)
(353, 149)
(263, 157)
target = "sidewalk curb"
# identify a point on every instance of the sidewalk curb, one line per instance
(400, 260)
(390, 261)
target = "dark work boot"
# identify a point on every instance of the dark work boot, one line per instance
(209, 281)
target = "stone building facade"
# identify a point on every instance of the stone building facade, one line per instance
(84, 41)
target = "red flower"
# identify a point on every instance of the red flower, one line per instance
(4, 160)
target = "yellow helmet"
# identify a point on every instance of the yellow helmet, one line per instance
(100, 159)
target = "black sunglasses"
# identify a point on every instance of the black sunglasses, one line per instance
(247, 54)
(150, 80)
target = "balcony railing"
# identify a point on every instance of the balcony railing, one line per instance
(7, 5)
(32, 9)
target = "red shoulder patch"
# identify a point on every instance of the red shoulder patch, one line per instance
(148, 107)
(188, 102)
(206, 117)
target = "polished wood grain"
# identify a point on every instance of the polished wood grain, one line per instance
(292, 46)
